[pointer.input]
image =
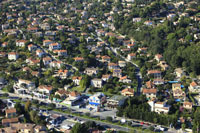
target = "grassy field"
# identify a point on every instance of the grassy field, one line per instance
(78, 88)
(4, 89)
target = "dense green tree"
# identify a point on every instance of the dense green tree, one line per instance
(79, 128)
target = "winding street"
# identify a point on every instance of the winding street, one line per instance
(138, 74)
(53, 57)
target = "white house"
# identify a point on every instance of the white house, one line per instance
(45, 89)
(63, 73)
(159, 107)
(171, 16)
(124, 79)
(112, 66)
(24, 84)
(91, 71)
(148, 23)
(158, 81)
(40, 53)
(47, 60)
(54, 46)
(122, 63)
(47, 42)
(96, 99)
(57, 64)
(150, 93)
(21, 43)
(76, 80)
(97, 82)
(32, 47)
(13, 56)
(50, 33)
(60, 52)
(136, 20)
(106, 77)
(158, 57)
(131, 56)
(73, 97)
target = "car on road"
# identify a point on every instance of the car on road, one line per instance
(142, 123)
(146, 123)
(160, 128)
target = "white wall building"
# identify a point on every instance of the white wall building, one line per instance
(97, 83)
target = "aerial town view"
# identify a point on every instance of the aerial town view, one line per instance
(99, 66)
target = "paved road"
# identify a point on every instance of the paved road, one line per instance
(66, 115)
(108, 125)
(123, 128)
(138, 74)
(53, 57)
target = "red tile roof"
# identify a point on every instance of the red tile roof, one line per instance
(145, 91)
(11, 110)
(128, 90)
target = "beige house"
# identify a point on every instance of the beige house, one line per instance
(91, 71)
(8, 121)
(158, 57)
(24, 128)
(194, 87)
(13, 56)
(117, 73)
(177, 91)
(45, 89)
(122, 63)
(112, 66)
(187, 105)
(150, 93)
(11, 112)
(164, 65)
(176, 86)
(128, 92)
(179, 72)
(62, 93)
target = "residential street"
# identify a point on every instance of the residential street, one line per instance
(135, 123)
(138, 74)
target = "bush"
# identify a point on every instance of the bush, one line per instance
(5, 95)
(108, 118)
(35, 101)
(151, 128)
(87, 114)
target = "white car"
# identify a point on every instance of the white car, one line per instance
(66, 127)
(160, 128)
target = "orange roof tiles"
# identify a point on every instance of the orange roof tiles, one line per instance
(12, 110)
(128, 90)
(149, 91)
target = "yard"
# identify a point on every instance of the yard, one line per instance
(78, 89)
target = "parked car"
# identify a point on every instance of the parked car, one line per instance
(160, 128)
(142, 123)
